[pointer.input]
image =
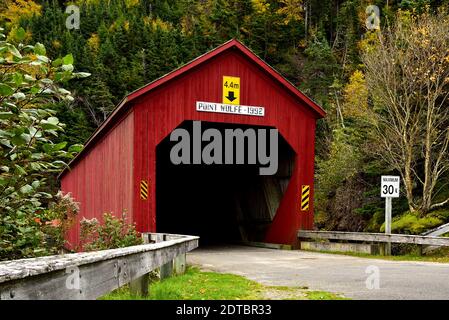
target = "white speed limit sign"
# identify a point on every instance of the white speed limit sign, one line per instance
(390, 187)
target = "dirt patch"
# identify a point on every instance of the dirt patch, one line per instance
(273, 293)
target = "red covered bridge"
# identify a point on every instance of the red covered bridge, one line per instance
(125, 165)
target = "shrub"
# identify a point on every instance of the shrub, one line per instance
(30, 85)
(411, 223)
(115, 232)
(56, 221)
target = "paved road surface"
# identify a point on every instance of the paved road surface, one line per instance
(328, 272)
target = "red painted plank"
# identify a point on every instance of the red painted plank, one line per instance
(102, 181)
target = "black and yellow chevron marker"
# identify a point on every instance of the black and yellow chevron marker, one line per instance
(143, 190)
(305, 198)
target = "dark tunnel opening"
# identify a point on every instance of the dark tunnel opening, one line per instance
(221, 203)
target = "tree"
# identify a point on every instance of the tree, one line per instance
(14, 10)
(408, 77)
(29, 84)
(355, 95)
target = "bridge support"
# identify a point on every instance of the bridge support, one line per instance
(139, 287)
(179, 264)
(166, 270)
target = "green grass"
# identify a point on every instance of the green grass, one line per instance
(323, 295)
(200, 285)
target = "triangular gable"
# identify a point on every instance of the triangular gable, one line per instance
(122, 107)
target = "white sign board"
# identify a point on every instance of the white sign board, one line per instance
(390, 186)
(230, 108)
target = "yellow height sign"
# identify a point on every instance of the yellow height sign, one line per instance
(305, 198)
(143, 190)
(231, 90)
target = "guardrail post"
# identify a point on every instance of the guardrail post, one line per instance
(179, 264)
(421, 249)
(139, 286)
(166, 270)
(388, 206)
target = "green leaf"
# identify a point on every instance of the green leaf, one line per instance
(35, 166)
(42, 58)
(44, 69)
(21, 139)
(13, 50)
(6, 115)
(37, 156)
(29, 78)
(68, 59)
(35, 90)
(47, 148)
(19, 96)
(17, 78)
(59, 146)
(32, 131)
(49, 127)
(57, 62)
(47, 81)
(19, 169)
(26, 189)
(39, 49)
(5, 90)
(27, 47)
(53, 120)
(59, 76)
(64, 91)
(20, 34)
(3, 181)
(76, 148)
(59, 164)
(46, 195)
(6, 143)
(11, 106)
(5, 134)
(47, 91)
(67, 67)
(82, 74)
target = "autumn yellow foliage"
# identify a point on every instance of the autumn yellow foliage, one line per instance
(11, 11)
(355, 95)
(94, 42)
(292, 10)
(261, 6)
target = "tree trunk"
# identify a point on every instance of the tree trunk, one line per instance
(408, 179)
(427, 186)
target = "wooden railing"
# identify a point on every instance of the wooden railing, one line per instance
(90, 275)
(374, 237)
(438, 231)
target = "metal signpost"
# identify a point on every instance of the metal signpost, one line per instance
(389, 190)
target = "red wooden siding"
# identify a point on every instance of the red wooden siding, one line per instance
(102, 181)
(160, 111)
